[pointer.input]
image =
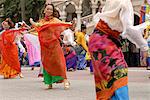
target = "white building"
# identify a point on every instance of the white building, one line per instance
(84, 10)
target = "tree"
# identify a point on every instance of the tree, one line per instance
(11, 8)
(23, 9)
(34, 8)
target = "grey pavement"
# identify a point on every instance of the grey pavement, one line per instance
(82, 86)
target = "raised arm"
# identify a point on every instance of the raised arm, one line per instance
(132, 33)
(35, 24)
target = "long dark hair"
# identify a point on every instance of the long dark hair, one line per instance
(55, 12)
(10, 22)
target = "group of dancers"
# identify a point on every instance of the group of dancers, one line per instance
(103, 51)
(52, 47)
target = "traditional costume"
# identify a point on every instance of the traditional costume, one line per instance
(110, 68)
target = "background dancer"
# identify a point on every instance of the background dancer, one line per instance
(68, 47)
(10, 66)
(81, 48)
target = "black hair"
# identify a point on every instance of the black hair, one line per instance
(83, 27)
(10, 23)
(55, 12)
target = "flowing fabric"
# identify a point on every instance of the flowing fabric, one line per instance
(68, 48)
(33, 48)
(0, 48)
(10, 66)
(81, 50)
(51, 52)
(110, 68)
(81, 64)
(71, 57)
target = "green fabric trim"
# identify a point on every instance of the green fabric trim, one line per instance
(48, 79)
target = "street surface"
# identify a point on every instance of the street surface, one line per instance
(82, 86)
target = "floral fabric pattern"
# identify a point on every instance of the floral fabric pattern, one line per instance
(110, 68)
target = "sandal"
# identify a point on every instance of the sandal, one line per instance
(21, 76)
(50, 86)
(66, 85)
(32, 68)
(40, 75)
(6, 77)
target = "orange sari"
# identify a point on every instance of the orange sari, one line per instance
(10, 65)
(51, 52)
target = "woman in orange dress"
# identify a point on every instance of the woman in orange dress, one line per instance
(10, 65)
(54, 65)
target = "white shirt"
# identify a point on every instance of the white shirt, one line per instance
(17, 40)
(87, 37)
(68, 37)
(119, 15)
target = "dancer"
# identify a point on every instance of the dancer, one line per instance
(49, 29)
(10, 66)
(81, 48)
(33, 49)
(110, 68)
(148, 41)
(68, 47)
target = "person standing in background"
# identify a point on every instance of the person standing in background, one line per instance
(81, 48)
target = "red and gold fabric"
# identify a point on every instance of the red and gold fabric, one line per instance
(51, 52)
(10, 65)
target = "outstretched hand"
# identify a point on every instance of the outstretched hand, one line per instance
(34, 23)
(31, 21)
(145, 55)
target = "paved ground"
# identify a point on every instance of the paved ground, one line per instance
(82, 86)
(139, 84)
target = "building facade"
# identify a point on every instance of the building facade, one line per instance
(84, 10)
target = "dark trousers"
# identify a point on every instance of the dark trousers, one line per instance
(134, 59)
